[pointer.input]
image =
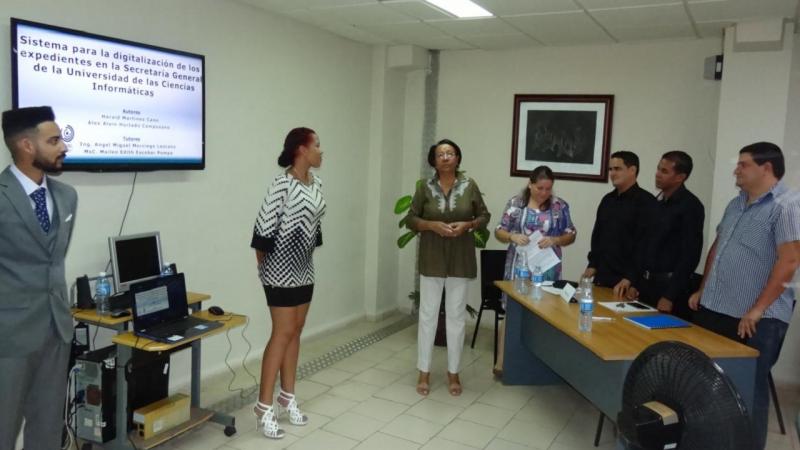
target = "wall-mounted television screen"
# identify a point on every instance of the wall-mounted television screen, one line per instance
(121, 105)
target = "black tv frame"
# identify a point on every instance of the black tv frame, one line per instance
(111, 166)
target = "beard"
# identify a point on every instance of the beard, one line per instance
(49, 167)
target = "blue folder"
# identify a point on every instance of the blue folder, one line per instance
(658, 321)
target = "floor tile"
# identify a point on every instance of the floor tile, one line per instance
(582, 427)
(412, 428)
(321, 439)
(375, 354)
(380, 441)
(487, 415)
(438, 443)
(442, 394)
(209, 435)
(500, 444)
(353, 426)
(354, 390)
(587, 446)
(396, 365)
(315, 421)
(434, 411)
(354, 364)
(307, 389)
(376, 377)
(368, 401)
(398, 342)
(393, 345)
(409, 354)
(330, 376)
(528, 434)
(329, 405)
(381, 409)
(507, 397)
(254, 440)
(399, 393)
(550, 415)
(468, 433)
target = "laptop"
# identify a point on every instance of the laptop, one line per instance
(161, 311)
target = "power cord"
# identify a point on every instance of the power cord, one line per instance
(96, 329)
(125, 214)
(243, 392)
(69, 404)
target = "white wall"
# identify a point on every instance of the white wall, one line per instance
(265, 75)
(752, 108)
(661, 103)
(787, 369)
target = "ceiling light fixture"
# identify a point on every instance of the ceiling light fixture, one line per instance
(461, 8)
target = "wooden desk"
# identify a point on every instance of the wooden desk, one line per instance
(90, 316)
(544, 346)
(126, 341)
(228, 321)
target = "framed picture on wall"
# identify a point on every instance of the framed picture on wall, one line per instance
(569, 133)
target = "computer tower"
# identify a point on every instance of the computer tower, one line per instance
(148, 380)
(147, 375)
(96, 394)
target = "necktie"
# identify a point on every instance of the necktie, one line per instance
(40, 201)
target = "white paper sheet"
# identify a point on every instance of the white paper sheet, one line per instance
(545, 258)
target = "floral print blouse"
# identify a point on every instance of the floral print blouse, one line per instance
(554, 221)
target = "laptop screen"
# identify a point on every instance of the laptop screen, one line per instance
(160, 300)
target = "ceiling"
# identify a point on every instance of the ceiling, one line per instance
(526, 23)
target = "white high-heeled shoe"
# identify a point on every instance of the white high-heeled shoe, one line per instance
(295, 416)
(266, 419)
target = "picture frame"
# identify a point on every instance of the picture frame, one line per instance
(571, 134)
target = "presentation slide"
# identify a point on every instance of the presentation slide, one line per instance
(118, 103)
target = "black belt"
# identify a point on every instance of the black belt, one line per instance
(662, 276)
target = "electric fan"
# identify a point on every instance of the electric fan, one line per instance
(675, 397)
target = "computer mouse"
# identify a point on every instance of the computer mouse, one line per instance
(216, 310)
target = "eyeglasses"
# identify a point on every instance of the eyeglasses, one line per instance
(446, 155)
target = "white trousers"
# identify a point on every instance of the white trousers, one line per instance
(455, 305)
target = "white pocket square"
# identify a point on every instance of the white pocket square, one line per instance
(68, 218)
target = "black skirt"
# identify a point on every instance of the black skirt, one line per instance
(288, 296)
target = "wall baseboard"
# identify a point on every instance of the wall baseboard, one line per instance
(381, 315)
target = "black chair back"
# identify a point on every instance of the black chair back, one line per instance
(493, 264)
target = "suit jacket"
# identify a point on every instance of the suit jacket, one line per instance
(33, 288)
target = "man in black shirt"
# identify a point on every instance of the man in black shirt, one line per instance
(674, 242)
(623, 218)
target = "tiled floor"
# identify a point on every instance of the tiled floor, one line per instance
(368, 401)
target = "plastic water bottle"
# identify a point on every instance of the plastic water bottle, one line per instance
(522, 274)
(166, 269)
(538, 279)
(102, 290)
(587, 307)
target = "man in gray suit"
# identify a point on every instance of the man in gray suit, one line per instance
(37, 214)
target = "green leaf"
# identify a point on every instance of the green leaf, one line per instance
(405, 239)
(481, 237)
(402, 222)
(402, 205)
(419, 183)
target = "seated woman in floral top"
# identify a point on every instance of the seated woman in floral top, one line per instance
(534, 209)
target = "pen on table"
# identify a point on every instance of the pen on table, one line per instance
(603, 319)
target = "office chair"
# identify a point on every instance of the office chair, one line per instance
(492, 268)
